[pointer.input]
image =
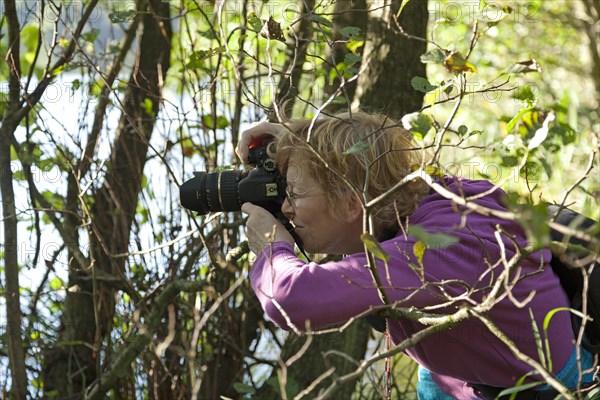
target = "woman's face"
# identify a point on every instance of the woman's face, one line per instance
(306, 207)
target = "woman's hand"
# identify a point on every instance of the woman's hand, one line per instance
(259, 130)
(262, 228)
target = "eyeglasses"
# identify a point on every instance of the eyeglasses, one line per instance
(291, 196)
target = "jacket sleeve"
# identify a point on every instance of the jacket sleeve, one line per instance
(299, 295)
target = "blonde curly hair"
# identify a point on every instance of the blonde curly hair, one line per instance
(370, 151)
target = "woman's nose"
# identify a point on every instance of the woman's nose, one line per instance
(287, 209)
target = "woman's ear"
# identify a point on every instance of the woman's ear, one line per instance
(354, 210)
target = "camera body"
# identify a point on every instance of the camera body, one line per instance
(228, 190)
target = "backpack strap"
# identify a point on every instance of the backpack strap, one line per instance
(571, 278)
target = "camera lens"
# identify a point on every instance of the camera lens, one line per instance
(212, 191)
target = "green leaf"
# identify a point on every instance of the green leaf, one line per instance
(19, 175)
(436, 56)
(463, 130)
(421, 84)
(538, 339)
(187, 147)
(404, 3)
(438, 240)
(350, 72)
(593, 394)
(510, 161)
(201, 55)
(144, 212)
(352, 32)
(435, 95)
(56, 283)
(91, 36)
(417, 123)
(551, 313)
(29, 36)
(524, 67)
(511, 124)
(547, 167)
(455, 62)
(546, 324)
(117, 17)
(341, 100)
(243, 388)
(525, 94)
(320, 20)
(195, 64)
(147, 106)
(565, 132)
(351, 58)
(448, 88)
(419, 251)
(353, 45)
(434, 171)
(358, 147)
(514, 390)
(208, 121)
(533, 218)
(374, 247)
(64, 42)
(292, 388)
(255, 23)
(211, 34)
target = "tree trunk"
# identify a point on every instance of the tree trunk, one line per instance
(393, 58)
(287, 89)
(16, 351)
(592, 9)
(88, 311)
(317, 359)
(346, 14)
(235, 329)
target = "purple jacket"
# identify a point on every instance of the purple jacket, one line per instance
(334, 292)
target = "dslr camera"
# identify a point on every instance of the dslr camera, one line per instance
(228, 190)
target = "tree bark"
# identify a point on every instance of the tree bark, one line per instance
(88, 312)
(592, 9)
(318, 358)
(16, 352)
(393, 58)
(287, 88)
(233, 331)
(346, 13)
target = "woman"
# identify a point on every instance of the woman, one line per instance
(351, 159)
